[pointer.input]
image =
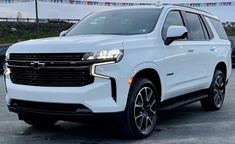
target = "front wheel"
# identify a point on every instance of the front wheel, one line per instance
(142, 108)
(216, 93)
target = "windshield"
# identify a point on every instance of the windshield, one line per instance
(118, 22)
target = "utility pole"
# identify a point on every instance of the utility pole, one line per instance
(37, 20)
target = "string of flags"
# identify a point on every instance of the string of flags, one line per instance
(98, 3)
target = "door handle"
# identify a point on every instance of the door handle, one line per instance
(190, 50)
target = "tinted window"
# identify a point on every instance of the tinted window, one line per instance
(120, 22)
(206, 34)
(194, 26)
(208, 28)
(219, 28)
(173, 18)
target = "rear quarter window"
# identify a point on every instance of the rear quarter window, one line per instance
(219, 28)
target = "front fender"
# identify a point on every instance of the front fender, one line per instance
(153, 66)
(144, 65)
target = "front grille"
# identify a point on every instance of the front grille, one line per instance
(49, 70)
(48, 57)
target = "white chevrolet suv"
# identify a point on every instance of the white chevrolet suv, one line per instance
(128, 63)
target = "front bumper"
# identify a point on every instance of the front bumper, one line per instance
(96, 97)
(68, 112)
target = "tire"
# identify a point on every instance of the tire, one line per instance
(142, 109)
(40, 122)
(216, 93)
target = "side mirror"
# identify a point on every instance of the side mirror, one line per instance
(175, 33)
(63, 33)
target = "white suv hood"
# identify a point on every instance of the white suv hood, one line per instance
(67, 44)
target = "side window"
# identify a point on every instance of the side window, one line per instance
(219, 28)
(173, 18)
(194, 26)
(206, 34)
(211, 35)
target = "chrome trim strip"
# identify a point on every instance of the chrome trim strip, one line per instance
(51, 67)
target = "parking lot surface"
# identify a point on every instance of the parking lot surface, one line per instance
(185, 125)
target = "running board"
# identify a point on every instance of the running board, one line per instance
(183, 100)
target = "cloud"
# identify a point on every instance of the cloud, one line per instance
(224, 13)
(47, 10)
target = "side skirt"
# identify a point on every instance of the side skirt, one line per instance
(183, 100)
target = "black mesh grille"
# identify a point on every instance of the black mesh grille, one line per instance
(49, 107)
(41, 71)
(48, 57)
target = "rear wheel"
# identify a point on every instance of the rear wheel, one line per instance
(38, 121)
(142, 109)
(216, 93)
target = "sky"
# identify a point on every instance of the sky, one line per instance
(73, 11)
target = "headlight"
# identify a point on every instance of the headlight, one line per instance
(109, 55)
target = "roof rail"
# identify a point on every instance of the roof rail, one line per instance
(182, 5)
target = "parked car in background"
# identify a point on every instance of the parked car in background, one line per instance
(3, 50)
(232, 40)
(125, 63)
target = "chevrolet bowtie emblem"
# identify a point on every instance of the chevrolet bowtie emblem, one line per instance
(37, 65)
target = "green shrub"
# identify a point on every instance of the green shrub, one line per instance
(12, 32)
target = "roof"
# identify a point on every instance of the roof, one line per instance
(193, 9)
(160, 6)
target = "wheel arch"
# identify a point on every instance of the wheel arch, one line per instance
(222, 67)
(152, 75)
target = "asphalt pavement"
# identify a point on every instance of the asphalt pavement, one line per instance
(185, 125)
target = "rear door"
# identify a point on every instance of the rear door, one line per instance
(201, 52)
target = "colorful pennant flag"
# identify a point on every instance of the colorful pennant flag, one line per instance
(98, 3)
